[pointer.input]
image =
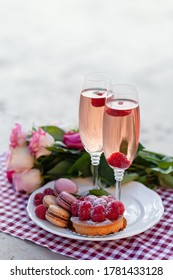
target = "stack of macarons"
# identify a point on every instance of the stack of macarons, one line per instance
(54, 205)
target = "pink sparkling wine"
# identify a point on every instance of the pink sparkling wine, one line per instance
(121, 132)
(91, 111)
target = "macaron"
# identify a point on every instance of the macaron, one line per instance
(64, 184)
(65, 200)
(57, 215)
(49, 200)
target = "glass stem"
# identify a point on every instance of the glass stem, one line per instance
(95, 160)
(118, 177)
(95, 176)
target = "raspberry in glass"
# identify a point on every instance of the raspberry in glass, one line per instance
(118, 160)
(98, 102)
(117, 113)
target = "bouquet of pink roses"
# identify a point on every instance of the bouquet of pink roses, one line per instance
(44, 154)
(48, 153)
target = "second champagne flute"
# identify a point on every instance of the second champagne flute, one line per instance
(121, 130)
(95, 89)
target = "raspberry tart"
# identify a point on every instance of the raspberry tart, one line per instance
(93, 215)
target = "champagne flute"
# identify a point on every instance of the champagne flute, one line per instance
(121, 125)
(95, 88)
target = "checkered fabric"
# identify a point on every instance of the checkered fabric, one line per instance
(155, 243)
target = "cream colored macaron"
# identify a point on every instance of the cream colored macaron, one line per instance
(57, 215)
(49, 200)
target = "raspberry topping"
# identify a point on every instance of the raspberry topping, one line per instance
(38, 199)
(113, 210)
(118, 160)
(90, 198)
(121, 208)
(48, 191)
(117, 113)
(97, 209)
(84, 210)
(74, 208)
(98, 213)
(100, 200)
(110, 198)
(40, 211)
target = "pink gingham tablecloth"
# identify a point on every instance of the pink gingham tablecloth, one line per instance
(155, 243)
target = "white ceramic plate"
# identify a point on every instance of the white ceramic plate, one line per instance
(143, 206)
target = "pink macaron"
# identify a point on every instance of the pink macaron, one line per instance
(64, 184)
(65, 200)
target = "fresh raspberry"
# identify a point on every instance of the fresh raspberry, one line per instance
(121, 208)
(113, 210)
(48, 191)
(10, 175)
(84, 210)
(91, 198)
(118, 160)
(98, 102)
(40, 211)
(100, 201)
(117, 113)
(98, 213)
(38, 199)
(81, 198)
(110, 198)
(75, 207)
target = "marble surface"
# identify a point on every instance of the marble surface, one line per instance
(46, 47)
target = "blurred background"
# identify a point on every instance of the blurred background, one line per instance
(46, 47)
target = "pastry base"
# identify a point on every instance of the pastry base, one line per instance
(93, 229)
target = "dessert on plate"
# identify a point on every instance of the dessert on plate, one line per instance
(86, 215)
(93, 215)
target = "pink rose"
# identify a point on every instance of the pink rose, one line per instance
(27, 181)
(19, 159)
(39, 141)
(72, 140)
(17, 137)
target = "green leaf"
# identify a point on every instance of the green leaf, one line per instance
(128, 177)
(60, 168)
(105, 171)
(149, 157)
(140, 147)
(56, 132)
(142, 180)
(166, 163)
(162, 170)
(49, 161)
(166, 180)
(81, 166)
(56, 150)
(98, 192)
